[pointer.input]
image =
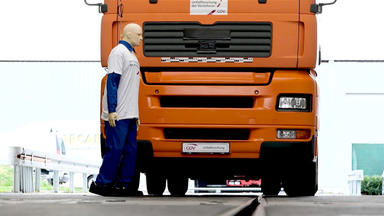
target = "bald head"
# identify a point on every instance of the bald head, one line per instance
(132, 33)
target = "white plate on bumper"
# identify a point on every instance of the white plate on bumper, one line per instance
(206, 147)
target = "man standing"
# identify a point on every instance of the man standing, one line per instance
(120, 113)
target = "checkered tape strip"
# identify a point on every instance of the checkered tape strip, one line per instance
(205, 60)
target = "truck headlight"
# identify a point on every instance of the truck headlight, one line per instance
(293, 133)
(294, 103)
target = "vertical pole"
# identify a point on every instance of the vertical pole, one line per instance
(30, 180)
(37, 179)
(32, 185)
(23, 181)
(71, 183)
(56, 181)
(16, 179)
(85, 182)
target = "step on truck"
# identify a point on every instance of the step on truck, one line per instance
(228, 88)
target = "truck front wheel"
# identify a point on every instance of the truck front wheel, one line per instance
(177, 185)
(301, 180)
(155, 183)
(270, 185)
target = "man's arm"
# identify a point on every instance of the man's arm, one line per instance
(113, 81)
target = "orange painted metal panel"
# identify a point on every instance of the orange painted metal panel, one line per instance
(288, 22)
(206, 77)
(288, 70)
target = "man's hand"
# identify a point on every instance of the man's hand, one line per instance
(137, 124)
(112, 117)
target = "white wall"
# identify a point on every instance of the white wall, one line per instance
(351, 102)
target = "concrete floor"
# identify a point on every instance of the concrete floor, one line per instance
(321, 206)
(88, 204)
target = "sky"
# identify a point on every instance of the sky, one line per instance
(49, 30)
(70, 30)
(352, 29)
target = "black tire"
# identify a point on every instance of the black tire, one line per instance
(302, 180)
(271, 175)
(270, 185)
(177, 185)
(155, 183)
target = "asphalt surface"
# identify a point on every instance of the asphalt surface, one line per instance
(321, 206)
(89, 204)
(37, 204)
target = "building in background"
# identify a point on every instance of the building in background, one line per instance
(351, 121)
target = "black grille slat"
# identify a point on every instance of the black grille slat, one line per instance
(206, 102)
(246, 28)
(159, 26)
(168, 48)
(221, 54)
(247, 41)
(169, 41)
(155, 26)
(155, 41)
(251, 34)
(240, 39)
(233, 47)
(165, 34)
(206, 133)
(246, 48)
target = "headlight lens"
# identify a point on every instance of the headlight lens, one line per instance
(286, 134)
(294, 103)
(293, 134)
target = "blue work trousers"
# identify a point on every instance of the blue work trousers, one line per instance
(119, 161)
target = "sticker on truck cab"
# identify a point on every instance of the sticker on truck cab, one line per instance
(209, 7)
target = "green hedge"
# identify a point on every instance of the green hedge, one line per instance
(371, 185)
(6, 178)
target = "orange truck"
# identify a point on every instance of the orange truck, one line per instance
(228, 89)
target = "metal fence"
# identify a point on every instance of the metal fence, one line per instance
(29, 163)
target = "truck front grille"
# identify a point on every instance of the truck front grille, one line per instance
(222, 39)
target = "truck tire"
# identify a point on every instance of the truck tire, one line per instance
(155, 183)
(270, 185)
(302, 180)
(177, 185)
(271, 173)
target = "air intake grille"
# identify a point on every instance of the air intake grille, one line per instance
(206, 133)
(222, 39)
(206, 102)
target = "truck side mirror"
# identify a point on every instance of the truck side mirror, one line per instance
(318, 8)
(102, 7)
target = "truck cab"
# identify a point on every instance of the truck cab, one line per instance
(228, 88)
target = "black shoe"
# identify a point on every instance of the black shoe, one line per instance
(103, 190)
(96, 189)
